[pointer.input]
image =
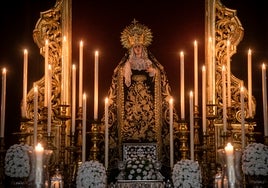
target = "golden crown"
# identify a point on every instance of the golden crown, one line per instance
(136, 34)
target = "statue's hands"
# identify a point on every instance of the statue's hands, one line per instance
(151, 71)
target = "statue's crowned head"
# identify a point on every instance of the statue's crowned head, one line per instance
(136, 34)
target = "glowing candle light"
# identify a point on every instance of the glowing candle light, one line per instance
(80, 73)
(84, 128)
(204, 100)
(35, 113)
(49, 89)
(39, 152)
(249, 83)
(224, 108)
(73, 97)
(264, 100)
(229, 150)
(3, 102)
(195, 73)
(242, 117)
(228, 74)
(191, 125)
(171, 132)
(106, 132)
(96, 86)
(46, 72)
(25, 80)
(182, 85)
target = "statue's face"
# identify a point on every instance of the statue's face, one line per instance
(138, 50)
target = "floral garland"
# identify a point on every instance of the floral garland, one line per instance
(91, 174)
(140, 168)
(186, 173)
(255, 159)
(17, 161)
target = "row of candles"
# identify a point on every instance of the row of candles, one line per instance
(82, 98)
(47, 102)
(224, 98)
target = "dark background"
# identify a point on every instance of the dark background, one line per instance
(175, 25)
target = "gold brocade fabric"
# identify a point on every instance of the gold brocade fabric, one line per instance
(139, 122)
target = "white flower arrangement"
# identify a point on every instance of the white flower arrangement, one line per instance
(140, 168)
(17, 161)
(255, 159)
(186, 174)
(91, 174)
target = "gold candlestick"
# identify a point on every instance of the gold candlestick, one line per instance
(211, 152)
(250, 134)
(230, 118)
(95, 137)
(196, 135)
(79, 134)
(183, 137)
(63, 117)
(204, 163)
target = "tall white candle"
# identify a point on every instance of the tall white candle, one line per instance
(229, 150)
(210, 71)
(224, 108)
(264, 100)
(195, 73)
(191, 125)
(96, 86)
(80, 73)
(3, 102)
(204, 100)
(46, 72)
(39, 151)
(249, 83)
(84, 117)
(242, 117)
(35, 113)
(64, 71)
(228, 74)
(73, 98)
(49, 90)
(25, 80)
(171, 132)
(106, 132)
(182, 85)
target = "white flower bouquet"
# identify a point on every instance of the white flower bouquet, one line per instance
(91, 174)
(140, 168)
(186, 173)
(17, 161)
(255, 159)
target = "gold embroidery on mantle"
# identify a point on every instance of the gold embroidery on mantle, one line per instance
(158, 115)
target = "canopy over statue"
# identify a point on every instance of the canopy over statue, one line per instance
(139, 98)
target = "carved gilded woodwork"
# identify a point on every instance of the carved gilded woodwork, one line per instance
(48, 27)
(228, 27)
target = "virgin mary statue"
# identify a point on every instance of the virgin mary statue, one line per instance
(138, 98)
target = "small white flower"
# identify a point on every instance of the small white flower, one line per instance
(139, 168)
(255, 159)
(17, 161)
(186, 173)
(91, 174)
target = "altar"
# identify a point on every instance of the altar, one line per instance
(140, 139)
